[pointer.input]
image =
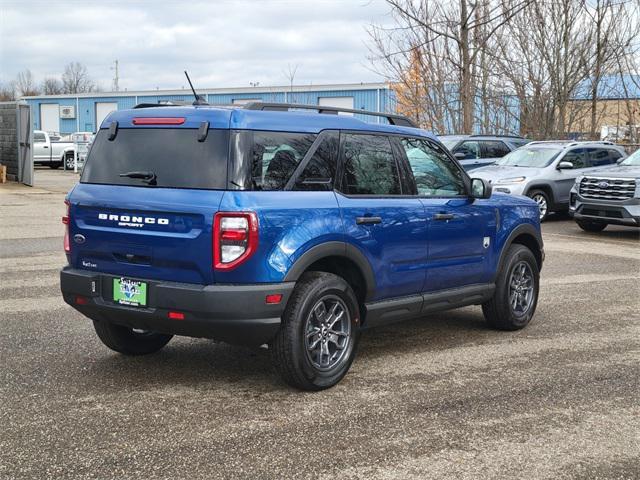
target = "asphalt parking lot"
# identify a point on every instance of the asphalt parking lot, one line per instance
(439, 397)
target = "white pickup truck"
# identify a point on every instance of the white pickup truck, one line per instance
(51, 153)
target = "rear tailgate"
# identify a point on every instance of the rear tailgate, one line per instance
(153, 233)
(145, 203)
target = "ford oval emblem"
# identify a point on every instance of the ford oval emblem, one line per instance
(603, 185)
(79, 239)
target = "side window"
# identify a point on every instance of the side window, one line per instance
(435, 173)
(39, 138)
(602, 156)
(321, 169)
(578, 157)
(597, 157)
(274, 157)
(494, 149)
(470, 150)
(369, 166)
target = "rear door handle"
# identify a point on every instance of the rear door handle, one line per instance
(368, 220)
(443, 216)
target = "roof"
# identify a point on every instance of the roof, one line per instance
(240, 118)
(221, 91)
(611, 87)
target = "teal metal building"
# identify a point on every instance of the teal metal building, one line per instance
(84, 112)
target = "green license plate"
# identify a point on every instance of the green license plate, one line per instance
(129, 292)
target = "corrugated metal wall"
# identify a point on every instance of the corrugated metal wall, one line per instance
(377, 100)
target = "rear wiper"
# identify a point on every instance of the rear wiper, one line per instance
(148, 177)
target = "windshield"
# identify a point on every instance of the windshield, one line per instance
(632, 160)
(529, 157)
(450, 142)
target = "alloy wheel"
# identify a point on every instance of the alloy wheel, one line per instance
(328, 333)
(542, 204)
(521, 285)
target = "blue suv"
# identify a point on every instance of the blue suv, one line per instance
(271, 224)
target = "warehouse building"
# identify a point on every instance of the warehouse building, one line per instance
(85, 111)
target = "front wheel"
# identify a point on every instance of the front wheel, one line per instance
(516, 295)
(316, 343)
(589, 226)
(542, 200)
(130, 341)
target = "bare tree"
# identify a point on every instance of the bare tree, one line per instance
(290, 73)
(25, 84)
(461, 29)
(7, 91)
(52, 86)
(75, 79)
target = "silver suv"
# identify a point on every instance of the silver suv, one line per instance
(546, 171)
(608, 196)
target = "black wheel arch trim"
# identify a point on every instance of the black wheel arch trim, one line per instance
(522, 229)
(334, 249)
(546, 188)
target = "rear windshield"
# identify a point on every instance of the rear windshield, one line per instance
(160, 157)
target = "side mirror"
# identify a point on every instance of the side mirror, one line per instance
(565, 166)
(460, 155)
(620, 160)
(480, 188)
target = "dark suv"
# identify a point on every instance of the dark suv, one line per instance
(294, 229)
(474, 151)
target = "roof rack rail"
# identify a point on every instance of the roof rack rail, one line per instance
(499, 135)
(392, 118)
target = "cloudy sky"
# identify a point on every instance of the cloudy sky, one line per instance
(222, 43)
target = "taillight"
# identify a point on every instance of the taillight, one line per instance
(66, 220)
(235, 238)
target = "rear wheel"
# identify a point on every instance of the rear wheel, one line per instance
(130, 341)
(516, 295)
(69, 160)
(590, 226)
(542, 200)
(317, 341)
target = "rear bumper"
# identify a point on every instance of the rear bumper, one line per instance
(231, 313)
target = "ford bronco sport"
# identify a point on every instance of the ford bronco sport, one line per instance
(295, 229)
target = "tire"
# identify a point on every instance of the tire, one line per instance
(68, 161)
(542, 199)
(499, 311)
(55, 165)
(589, 226)
(127, 341)
(299, 354)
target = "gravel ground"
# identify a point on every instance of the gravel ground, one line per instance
(438, 397)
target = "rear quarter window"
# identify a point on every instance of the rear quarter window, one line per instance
(266, 160)
(175, 156)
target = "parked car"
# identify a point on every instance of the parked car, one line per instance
(50, 152)
(474, 151)
(546, 171)
(286, 228)
(608, 196)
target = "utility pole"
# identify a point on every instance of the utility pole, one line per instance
(116, 77)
